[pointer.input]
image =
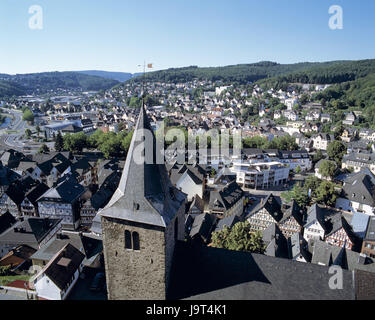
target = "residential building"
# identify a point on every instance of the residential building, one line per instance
(31, 231)
(322, 140)
(368, 245)
(56, 280)
(63, 202)
(226, 200)
(260, 175)
(358, 193)
(357, 161)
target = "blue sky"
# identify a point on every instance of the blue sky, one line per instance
(118, 35)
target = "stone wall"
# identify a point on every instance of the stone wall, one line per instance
(134, 274)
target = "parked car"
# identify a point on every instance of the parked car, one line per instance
(97, 283)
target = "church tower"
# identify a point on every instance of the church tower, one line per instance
(141, 224)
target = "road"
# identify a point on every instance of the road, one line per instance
(10, 135)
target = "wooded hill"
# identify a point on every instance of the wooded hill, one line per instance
(40, 83)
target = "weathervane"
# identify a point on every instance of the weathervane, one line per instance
(149, 66)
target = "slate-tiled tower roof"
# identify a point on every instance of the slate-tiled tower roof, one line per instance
(145, 193)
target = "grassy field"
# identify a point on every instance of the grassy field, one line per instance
(4, 280)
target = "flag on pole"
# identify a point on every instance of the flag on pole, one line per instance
(149, 66)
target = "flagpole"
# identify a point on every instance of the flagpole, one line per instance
(144, 79)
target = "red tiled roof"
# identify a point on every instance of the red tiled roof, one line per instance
(20, 284)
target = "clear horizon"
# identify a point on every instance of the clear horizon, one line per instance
(151, 70)
(117, 37)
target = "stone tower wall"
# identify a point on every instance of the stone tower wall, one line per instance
(134, 274)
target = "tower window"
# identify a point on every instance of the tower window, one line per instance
(132, 240)
(135, 236)
(128, 240)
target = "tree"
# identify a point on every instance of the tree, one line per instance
(298, 170)
(311, 184)
(304, 99)
(28, 116)
(297, 194)
(43, 149)
(326, 193)
(328, 168)
(213, 173)
(318, 156)
(59, 142)
(126, 141)
(28, 133)
(336, 151)
(239, 238)
(75, 142)
(338, 131)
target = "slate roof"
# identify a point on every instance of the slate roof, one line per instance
(67, 191)
(196, 204)
(364, 285)
(18, 190)
(297, 246)
(202, 226)
(360, 188)
(271, 205)
(337, 222)
(6, 221)
(34, 231)
(224, 198)
(359, 224)
(293, 210)
(80, 166)
(370, 231)
(360, 157)
(246, 276)
(88, 246)
(316, 213)
(326, 254)
(96, 226)
(227, 222)
(275, 242)
(145, 193)
(34, 194)
(26, 166)
(60, 274)
(196, 173)
(17, 256)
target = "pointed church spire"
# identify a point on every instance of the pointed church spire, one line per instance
(145, 193)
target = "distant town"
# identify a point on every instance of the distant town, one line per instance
(80, 220)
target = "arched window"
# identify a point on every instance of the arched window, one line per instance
(128, 240)
(135, 236)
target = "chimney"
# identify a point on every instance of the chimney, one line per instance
(362, 259)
